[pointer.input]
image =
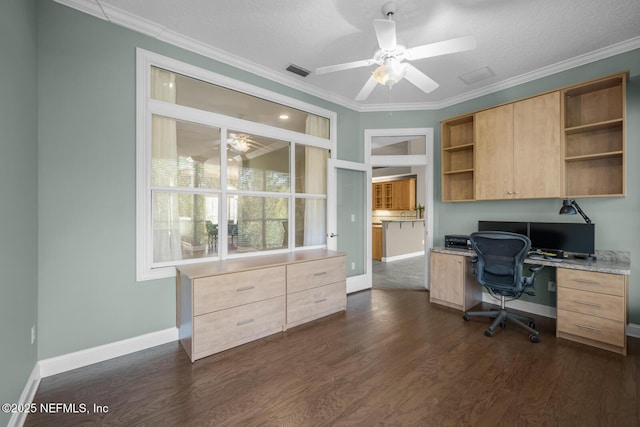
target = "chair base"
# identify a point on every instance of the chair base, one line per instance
(501, 317)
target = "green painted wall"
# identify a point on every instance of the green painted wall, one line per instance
(18, 191)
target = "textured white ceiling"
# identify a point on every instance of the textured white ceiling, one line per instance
(516, 38)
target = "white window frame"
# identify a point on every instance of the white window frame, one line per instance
(146, 269)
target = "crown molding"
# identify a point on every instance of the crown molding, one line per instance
(134, 22)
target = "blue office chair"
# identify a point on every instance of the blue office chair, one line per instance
(498, 267)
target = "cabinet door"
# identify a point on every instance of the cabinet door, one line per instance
(447, 279)
(404, 192)
(377, 196)
(494, 153)
(376, 244)
(537, 147)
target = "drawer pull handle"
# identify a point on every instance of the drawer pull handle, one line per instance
(590, 304)
(588, 282)
(246, 288)
(588, 328)
(245, 322)
(320, 274)
(319, 301)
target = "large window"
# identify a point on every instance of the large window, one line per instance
(224, 169)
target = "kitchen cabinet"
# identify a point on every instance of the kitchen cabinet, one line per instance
(376, 244)
(518, 150)
(394, 195)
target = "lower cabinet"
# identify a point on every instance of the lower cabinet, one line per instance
(592, 308)
(315, 289)
(451, 282)
(225, 304)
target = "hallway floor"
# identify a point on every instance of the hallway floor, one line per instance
(402, 274)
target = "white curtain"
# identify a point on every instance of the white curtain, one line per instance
(315, 182)
(164, 149)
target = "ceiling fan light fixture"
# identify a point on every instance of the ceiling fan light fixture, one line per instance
(238, 143)
(390, 72)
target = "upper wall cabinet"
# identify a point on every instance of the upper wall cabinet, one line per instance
(518, 150)
(457, 159)
(394, 195)
(567, 143)
(494, 153)
(594, 137)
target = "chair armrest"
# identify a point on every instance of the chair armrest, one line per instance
(535, 268)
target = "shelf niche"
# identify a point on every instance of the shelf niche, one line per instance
(594, 141)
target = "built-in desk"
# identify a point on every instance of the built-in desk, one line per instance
(592, 296)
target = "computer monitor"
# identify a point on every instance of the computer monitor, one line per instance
(570, 237)
(509, 226)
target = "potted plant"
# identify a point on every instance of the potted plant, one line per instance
(420, 210)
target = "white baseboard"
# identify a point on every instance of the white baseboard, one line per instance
(26, 398)
(403, 256)
(358, 283)
(78, 359)
(633, 330)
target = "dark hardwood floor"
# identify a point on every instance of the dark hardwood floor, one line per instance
(391, 359)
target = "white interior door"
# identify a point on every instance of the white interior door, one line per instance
(348, 220)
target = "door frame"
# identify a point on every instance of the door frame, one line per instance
(361, 281)
(426, 161)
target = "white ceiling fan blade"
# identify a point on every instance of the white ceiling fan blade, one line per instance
(367, 89)
(386, 33)
(441, 48)
(420, 80)
(345, 66)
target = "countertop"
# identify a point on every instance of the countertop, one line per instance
(614, 262)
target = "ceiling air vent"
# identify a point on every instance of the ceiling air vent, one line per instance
(298, 70)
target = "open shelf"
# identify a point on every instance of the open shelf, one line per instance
(594, 145)
(458, 159)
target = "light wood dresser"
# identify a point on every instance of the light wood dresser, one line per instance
(224, 304)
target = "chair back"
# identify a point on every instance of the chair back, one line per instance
(500, 262)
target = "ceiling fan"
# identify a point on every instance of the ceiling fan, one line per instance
(390, 55)
(240, 143)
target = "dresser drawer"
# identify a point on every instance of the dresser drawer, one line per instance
(311, 274)
(604, 283)
(231, 290)
(594, 328)
(592, 303)
(220, 330)
(317, 302)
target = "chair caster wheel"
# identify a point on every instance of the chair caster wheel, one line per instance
(534, 338)
(503, 325)
(488, 333)
(532, 325)
(466, 317)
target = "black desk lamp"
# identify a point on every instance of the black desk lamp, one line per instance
(570, 207)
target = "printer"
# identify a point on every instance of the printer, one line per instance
(457, 241)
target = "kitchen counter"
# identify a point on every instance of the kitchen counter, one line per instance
(402, 238)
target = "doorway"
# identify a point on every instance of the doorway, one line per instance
(396, 155)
